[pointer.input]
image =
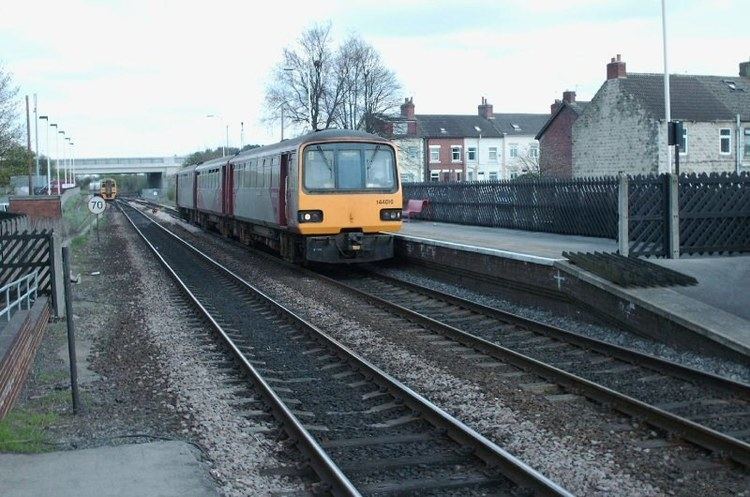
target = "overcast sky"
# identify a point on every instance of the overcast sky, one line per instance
(138, 77)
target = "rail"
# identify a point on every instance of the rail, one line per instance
(24, 289)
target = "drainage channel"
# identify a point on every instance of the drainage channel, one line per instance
(363, 432)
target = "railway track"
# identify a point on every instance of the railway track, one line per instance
(363, 432)
(705, 409)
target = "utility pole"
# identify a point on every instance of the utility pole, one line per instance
(242, 135)
(667, 109)
(36, 138)
(28, 145)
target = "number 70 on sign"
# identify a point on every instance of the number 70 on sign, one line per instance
(97, 205)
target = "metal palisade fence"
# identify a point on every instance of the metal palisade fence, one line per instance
(714, 210)
(573, 207)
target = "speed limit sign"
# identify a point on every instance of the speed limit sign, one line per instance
(97, 205)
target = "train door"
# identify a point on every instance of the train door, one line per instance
(283, 175)
(228, 189)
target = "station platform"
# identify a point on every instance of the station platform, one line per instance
(716, 312)
(161, 469)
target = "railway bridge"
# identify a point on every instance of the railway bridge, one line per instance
(155, 168)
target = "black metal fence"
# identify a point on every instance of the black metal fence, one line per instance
(572, 207)
(714, 210)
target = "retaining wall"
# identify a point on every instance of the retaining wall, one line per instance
(19, 341)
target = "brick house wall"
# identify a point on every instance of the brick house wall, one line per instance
(614, 134)
(556, 146)
(37, 207)
(445, 166)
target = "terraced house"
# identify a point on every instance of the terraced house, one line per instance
(623, 127)
(485, 146)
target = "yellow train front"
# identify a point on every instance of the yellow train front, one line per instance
(108, 189)
(329, 196)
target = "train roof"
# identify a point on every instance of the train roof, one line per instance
(314, 137)
(212, 163)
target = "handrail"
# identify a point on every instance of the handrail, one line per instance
(25, 290)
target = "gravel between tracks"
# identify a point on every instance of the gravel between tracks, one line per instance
(572, 443)
(726, 368)
(238, 454)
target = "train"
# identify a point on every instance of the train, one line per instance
(108, 189)
(331, 196)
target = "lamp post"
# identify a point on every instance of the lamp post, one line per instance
(36, 140)
(667, 109)
(72, 165)
(57, 158)
(49, 175)
(46, 150)
(67, 160)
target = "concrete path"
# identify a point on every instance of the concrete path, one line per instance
(523, 242)
(161, 469)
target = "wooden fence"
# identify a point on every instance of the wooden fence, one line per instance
(573, 207)
(12, 223)
(714, 210)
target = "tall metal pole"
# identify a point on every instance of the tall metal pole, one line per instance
(49, 174)
(223, 154)
(282, 122)
(36, 138)
(72, 163)
(667, 108)
(57, 158)
(242, 135)
(71, 331)
(28, 145)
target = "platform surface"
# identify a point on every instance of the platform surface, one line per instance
(549, 245)
(719, 305)
(162, 469)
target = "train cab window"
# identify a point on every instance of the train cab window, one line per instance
(319, 169)
(352, 167)
(349, 170)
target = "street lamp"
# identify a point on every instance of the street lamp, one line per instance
(67, 160)
(72, 165)
(46, 150)
(49, 180)
(57, 160)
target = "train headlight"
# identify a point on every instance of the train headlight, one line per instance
(310, 216)
(390, 214)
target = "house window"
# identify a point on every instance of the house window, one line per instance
(513, 175)
(458, 175)
(412, 152)
(446, 177)
(434, 153)
(493, 175)
(493, 154)
(471, 153)
(470, 175)
(684, 142)
(514, 150)
(480, 176)
(747, 143)
(456, 153)
(434, 176)
(725, 139)
(534, 151)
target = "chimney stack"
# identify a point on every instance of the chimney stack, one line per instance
(407, 108)
(569, 97)
(555, 106)
(745, 69)
(616, 68)
(485, 109)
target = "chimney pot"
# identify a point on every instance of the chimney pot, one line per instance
(407, 108)
(616, 68)
(485, 109)
(569, 97)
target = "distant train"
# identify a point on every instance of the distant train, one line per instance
(108, 189)
(329, 196)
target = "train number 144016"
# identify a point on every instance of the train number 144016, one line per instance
(387, 201)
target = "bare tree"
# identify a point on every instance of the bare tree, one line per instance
(529, 162)
(318, 87)
(368, 86)
(10, 130)
(304, 83)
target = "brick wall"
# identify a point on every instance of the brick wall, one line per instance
(42, 206)
(556, 146)
(20, 341)
(446, 162)
(703, 154)
(614, 134)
